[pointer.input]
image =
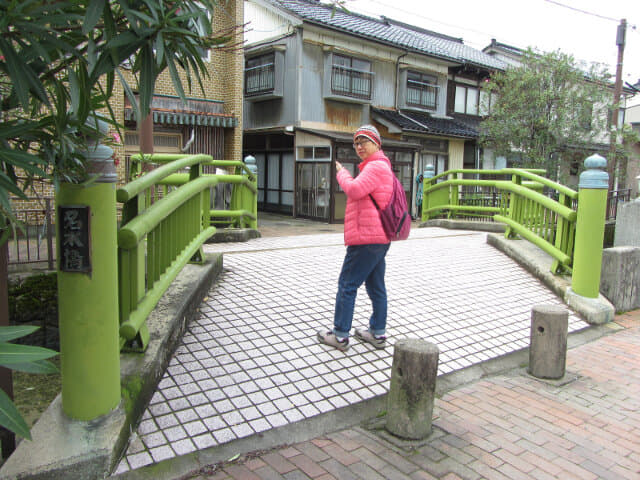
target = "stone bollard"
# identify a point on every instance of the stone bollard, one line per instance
(413, 383)
(548, 347)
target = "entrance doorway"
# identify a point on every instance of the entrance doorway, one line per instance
(313, 192)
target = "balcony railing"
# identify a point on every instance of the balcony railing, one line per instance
(259, 80)
(421, 94)
(351, 82)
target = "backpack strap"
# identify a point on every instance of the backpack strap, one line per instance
(374, 202)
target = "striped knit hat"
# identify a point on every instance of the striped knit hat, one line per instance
(370, 132)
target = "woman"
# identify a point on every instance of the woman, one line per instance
(366, 242)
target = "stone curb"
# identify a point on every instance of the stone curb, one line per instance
(68, 449)
(595, 311)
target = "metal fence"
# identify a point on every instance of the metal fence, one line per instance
(33, 243)
(614, 198)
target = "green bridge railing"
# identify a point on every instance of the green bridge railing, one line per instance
(166, 218)
(517, 202)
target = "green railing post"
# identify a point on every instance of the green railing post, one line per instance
(454, 194)
(88, 290)
(252, 206)
(429, 173)
(592, 204)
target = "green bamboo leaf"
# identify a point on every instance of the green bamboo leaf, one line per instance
(175, 78)
(11, 419)
(74, 90)
(17, 129)
(43, 367)
(11, 353)
(23, 160)
(22, 77)
(147, 79)
(94, 10)
(6, 183)
(159, 49)
(121, 40)
(16, 331)
(129, 93)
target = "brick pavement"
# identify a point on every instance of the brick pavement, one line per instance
(505, 426)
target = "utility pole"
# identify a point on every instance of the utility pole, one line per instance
(617, 93)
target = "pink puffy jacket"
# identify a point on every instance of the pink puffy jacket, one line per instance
(361, 219)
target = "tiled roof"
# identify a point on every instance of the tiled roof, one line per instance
(414, 122)
(348, 138)
(390, 32)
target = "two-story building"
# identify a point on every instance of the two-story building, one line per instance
(210, 122)
(314, 73)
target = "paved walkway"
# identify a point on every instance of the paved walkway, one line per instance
(250, 365)
(508, 426)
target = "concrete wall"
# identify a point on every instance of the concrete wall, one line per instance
(628, 225)
(620, 274)
(620, 277)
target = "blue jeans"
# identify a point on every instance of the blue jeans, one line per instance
(362, 264)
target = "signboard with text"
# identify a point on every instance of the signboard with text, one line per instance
(75, 253)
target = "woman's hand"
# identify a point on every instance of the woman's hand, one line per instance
(338, 166)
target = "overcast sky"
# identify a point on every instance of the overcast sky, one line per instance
(587, 30)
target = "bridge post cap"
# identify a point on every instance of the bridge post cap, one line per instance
(595, 176)
(250, 162)
(595, 161)
(429, 171)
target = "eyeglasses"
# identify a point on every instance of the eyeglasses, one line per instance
(360, 144)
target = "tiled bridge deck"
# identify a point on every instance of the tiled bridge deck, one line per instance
(251, 361)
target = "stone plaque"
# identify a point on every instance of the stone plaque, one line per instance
(75, 254)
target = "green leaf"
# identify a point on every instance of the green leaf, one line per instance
(24, 160)
(147, 80)
(74, 90)
(18, 331)
(175, 78)
(22, 76)
(41, 367)
(11, 419)
(94, 10)
(159, 49)
(7, 184)
(10, 354)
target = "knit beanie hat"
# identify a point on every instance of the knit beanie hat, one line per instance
(370, 132)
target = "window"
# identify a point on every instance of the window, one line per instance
(259, 74)
(422, 90)
(585, 116)
(466, 100)
(487, 101)
(351, 77)
(314, 154)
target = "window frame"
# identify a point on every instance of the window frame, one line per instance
(354, 75)
(270, 65)
(466, 99)
(431, 83)
(266, 69)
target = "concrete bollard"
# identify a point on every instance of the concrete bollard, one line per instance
(548, 347)
(413, 383)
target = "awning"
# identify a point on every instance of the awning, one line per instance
(348, 138)
(187, 118)
(414, 122)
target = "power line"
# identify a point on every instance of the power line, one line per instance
(582, 11)
(633, 27)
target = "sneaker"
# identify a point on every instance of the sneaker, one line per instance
(366, 336)
(329, 338)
